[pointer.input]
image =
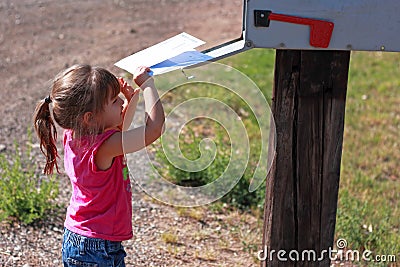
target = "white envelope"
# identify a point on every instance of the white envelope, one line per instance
(173, 53)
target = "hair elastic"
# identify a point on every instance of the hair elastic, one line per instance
(47, 100)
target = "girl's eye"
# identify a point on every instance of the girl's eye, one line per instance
(115, 101)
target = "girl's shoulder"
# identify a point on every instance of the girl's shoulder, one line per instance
(86, 142)
(105, 135)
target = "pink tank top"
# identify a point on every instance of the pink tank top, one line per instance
(101, 202)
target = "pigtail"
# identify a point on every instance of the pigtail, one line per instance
(46, 131)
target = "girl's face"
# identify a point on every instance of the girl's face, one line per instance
(112, 116)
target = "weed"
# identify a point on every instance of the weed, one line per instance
(194, 213)
(169, 238)
(25, 195)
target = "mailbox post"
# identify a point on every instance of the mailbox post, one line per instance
(302, 189)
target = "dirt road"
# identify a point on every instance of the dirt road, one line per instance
(40, 38)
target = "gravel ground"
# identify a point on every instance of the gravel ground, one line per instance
(163, 236)
(40, 38)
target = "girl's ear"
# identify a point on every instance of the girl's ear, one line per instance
(88, 118)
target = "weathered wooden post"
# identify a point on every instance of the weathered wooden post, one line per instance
(302, 188)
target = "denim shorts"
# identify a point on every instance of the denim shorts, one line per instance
(78, 250)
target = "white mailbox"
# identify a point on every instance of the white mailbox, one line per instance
(368, 25)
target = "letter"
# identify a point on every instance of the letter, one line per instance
(271, 255)
(330, 254)
(309, 252)
(321, 258)
(290, 255)
(366, 255)
(352, 253)
(261, 252)
(391, 258)
(281, 253)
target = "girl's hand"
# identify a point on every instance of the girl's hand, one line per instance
(141, 75)
(126, 89)
(132, 97)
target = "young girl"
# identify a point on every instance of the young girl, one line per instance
(85, 101)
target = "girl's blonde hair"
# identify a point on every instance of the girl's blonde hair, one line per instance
(75, 91)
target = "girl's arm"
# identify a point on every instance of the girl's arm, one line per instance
(129, 112)
(137, 138)
(132, 98)
(141, 137)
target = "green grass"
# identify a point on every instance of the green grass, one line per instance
(368, 211)
(370, 177)
(196, 130)
(25, 196)
(258, 65)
